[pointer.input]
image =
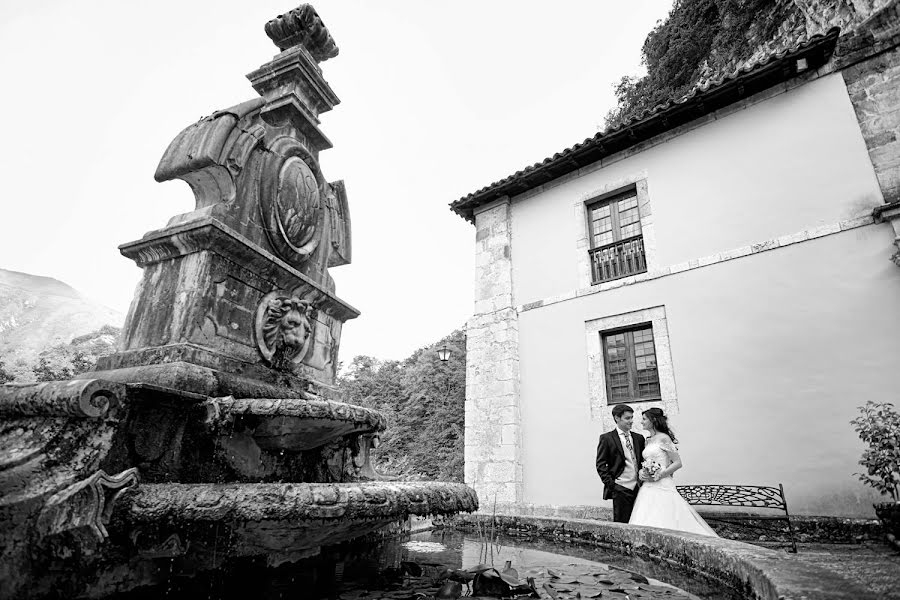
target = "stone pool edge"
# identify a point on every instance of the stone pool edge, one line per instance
(753, 571)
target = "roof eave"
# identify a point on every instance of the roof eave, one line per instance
(778, 69)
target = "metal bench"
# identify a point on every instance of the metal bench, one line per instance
(749, 496)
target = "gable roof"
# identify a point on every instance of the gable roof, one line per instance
(704, 98)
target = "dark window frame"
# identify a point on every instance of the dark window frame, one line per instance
(631, 364)
(630, 256)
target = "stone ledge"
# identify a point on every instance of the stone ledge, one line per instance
(807, 529)
(211, 235)
(316, 502)
(323, 414)
(756, 572)
(706, 261)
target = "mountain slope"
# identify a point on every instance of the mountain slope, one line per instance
(38, 313)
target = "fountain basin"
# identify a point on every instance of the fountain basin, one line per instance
(179, 436)
(235, 502)
(294, 424)
(418, 566)
(752, 571)
(72, 448)
(204, 524)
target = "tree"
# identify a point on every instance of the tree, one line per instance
(435, 405)
(423, 400)
(697, 39)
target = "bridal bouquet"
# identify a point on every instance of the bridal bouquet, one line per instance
(651, 470)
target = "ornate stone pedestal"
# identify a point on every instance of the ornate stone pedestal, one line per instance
(213, 315)
(236, 297)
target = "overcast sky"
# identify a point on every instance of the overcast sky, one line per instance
(438, 100)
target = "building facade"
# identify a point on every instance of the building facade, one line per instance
(724, 257)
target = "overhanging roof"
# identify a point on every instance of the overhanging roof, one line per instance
(703, 99)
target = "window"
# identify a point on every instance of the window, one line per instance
(617, 243)
(631, 369)
(609, 348)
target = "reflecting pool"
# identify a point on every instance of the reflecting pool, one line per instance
(438, 564)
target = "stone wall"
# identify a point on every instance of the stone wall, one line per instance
(492, 447)
(874, 88)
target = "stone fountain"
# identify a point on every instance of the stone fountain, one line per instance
(215, 433)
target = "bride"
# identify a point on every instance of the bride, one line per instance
(658, 503)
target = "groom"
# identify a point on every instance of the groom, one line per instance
(619, 456)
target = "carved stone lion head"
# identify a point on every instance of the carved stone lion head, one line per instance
(284, 325)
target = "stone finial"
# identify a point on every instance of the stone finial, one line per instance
(302, 26)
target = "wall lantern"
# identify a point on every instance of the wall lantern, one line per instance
(444, 353)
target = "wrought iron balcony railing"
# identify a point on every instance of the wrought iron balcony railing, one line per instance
(620, 259)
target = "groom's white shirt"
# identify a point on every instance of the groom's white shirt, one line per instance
(628, 478)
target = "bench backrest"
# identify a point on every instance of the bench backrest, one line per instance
(755, 496)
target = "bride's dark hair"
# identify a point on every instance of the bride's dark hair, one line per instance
(660, 422)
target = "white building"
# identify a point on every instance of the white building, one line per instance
(721, 257)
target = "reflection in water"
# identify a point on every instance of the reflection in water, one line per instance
(416, 568)
(423, 547)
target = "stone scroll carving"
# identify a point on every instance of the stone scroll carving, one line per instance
(228, 156)
(339, 219)
(83, 398)
(86, 505)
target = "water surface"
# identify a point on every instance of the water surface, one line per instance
(416, 566)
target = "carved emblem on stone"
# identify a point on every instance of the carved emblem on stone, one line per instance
(293, 213)
(283, 329)
(291, 200)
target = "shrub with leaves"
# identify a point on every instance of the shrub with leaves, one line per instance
(5, 376)
(65, 361)
(879, 427)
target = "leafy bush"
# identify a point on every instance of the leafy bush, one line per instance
(65, 361)
(879, 427)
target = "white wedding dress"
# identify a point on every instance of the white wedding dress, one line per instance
(659, 504)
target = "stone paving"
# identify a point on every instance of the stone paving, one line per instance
(873, 565)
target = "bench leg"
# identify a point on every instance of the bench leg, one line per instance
(787, 517)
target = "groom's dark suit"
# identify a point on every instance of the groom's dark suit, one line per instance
(611, 464)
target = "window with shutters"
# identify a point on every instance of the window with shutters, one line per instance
(617, 243)
(629, 358)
